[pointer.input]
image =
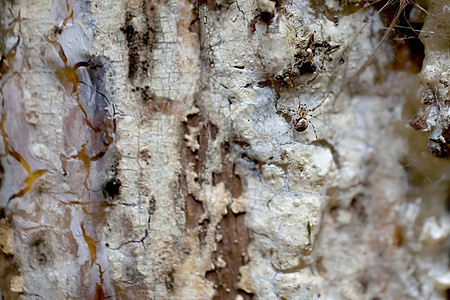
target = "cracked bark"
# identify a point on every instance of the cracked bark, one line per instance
(148, 150)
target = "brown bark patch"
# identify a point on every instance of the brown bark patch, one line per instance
(7, 268)
(227, 176)
(8, 271)
(194, 210)
(194, 161)
(130, 290)
(231, 254)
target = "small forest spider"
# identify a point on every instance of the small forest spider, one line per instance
(299, 120)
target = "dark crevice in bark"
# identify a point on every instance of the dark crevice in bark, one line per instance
(139, 43)
(409, 49)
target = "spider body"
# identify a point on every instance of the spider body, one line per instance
(301, 123)
(299, 117)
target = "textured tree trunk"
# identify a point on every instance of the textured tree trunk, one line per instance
(158, 150)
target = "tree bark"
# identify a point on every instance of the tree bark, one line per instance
(148, 150)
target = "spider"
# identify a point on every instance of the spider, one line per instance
(299, 117)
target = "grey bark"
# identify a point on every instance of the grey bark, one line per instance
(148, 151)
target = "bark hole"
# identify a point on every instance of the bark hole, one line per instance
(112, 187)
(409, 49)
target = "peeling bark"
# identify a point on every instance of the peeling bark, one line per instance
(224, 150)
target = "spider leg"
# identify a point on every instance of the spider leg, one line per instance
(285, 109)
(320, 103)
(290, 128)
(314, 128)
(314, 116)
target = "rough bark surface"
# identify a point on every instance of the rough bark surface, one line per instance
(148, 150)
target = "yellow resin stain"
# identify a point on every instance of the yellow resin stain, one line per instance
(91, 244)
(32, 175)
(29, 182)
(66, 75)
(100, 132)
